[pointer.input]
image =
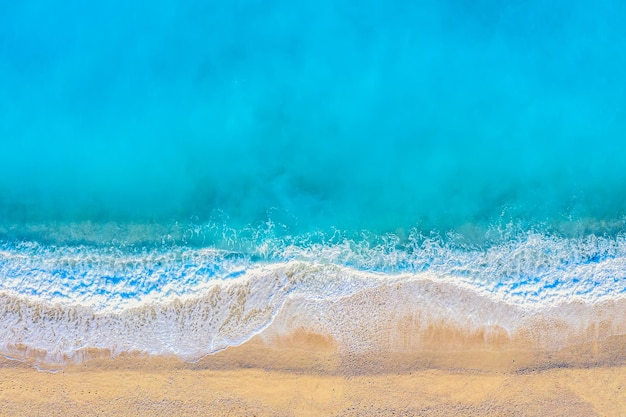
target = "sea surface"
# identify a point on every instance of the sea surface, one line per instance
(173, 172)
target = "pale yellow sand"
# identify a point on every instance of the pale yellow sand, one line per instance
(303, 374)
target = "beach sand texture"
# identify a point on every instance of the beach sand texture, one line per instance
(300, 377)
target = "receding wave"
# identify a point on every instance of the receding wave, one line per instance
(190, 301)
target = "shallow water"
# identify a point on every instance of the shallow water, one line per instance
(165, 149)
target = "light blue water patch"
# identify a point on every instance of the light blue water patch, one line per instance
(103, 277)
(530, 270)
(371, 115)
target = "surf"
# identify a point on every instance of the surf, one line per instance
(190, 301)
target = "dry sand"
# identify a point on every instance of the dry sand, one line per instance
(304, 374)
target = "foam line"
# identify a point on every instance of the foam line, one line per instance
(196, 301)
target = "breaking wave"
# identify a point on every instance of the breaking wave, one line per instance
(193, 301)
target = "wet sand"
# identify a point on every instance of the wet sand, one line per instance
(305, 374)
(417, 349)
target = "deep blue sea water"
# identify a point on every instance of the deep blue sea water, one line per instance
(150, 147)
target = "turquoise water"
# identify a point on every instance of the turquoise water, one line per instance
(375, 116)
(150, 149)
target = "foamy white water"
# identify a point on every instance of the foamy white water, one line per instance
(192, 302)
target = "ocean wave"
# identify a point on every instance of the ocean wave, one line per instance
(195, 301)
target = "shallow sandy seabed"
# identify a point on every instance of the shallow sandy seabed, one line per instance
(305, 374)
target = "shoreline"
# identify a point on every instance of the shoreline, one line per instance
(415, 321)
(306, 352)
(304, 374)
(410, 348)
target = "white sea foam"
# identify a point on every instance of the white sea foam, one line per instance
(191, 302)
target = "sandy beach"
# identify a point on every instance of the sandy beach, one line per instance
(304, 374)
